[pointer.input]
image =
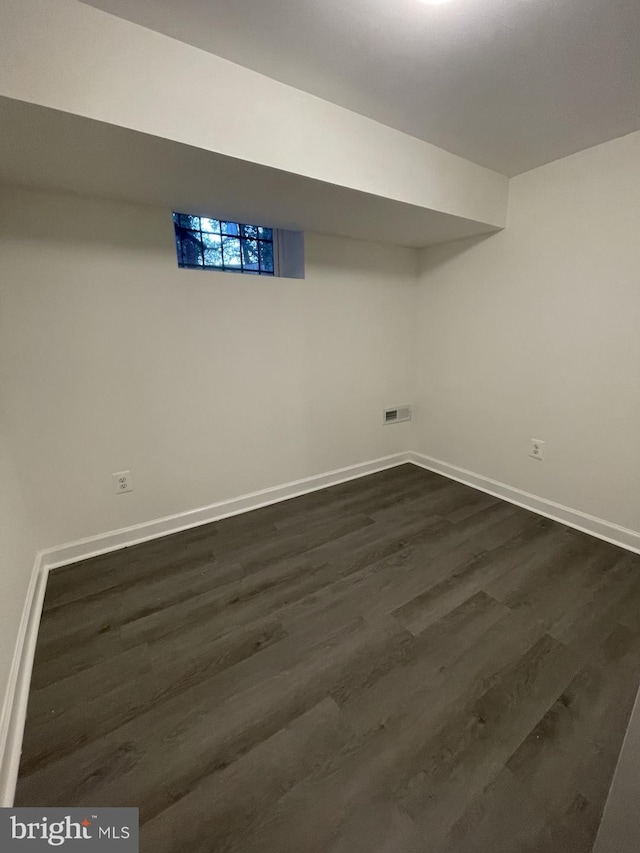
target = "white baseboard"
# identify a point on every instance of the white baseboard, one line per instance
(82, 549)
(13, 715)
(622, 536)
(14, 709)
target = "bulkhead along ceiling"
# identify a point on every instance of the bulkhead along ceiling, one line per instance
(508, 84)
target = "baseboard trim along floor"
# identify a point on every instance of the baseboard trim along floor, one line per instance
(14, 710)
(598, 527)
(82, 549)
(12, 718)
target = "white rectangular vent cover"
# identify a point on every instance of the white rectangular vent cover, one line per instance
(397, 415)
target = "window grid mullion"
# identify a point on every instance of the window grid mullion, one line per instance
(243, 240)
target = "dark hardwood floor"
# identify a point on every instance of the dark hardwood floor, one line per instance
(398, 663)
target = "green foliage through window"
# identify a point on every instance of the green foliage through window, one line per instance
(204, 243)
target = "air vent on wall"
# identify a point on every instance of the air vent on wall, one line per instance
(397, 415)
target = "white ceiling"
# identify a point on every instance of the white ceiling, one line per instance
(508, 84)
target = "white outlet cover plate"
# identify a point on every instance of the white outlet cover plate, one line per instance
(537, 449)
(122, 482)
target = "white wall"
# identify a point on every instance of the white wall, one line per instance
(17, 555)
(535, 333)
(71, 57)
(205, 385)
(18, 543)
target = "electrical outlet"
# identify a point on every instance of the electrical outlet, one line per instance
(122, 482)
(537, 449)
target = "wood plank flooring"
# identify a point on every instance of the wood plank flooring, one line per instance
(397, 664)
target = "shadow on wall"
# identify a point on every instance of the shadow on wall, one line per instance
(433, 257)
(104, 223)
(344, 256)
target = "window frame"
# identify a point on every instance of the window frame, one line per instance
(180, 229)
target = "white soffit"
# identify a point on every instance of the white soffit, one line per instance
(47, 148)
(510, 84)
(73, 59)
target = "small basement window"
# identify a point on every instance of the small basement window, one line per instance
(215, 244)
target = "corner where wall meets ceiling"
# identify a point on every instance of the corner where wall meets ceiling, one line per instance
(94, 104)
(509, 84)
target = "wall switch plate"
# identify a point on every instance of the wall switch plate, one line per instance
(537, 449)
(122, 482)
